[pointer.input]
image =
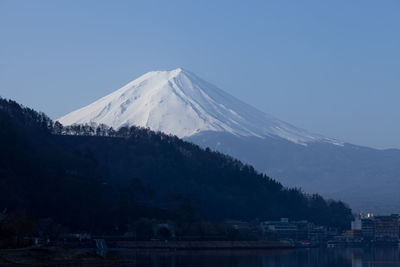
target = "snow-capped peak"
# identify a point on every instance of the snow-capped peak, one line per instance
(180, 103)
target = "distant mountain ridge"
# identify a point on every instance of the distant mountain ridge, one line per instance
(366, 178)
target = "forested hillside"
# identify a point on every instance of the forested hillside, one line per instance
(97, 179)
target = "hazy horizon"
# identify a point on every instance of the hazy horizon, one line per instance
(330, 68)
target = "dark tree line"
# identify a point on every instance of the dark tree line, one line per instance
(92, 177)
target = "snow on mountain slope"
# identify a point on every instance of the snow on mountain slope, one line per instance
(180, 103)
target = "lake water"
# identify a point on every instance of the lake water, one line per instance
(351, 257)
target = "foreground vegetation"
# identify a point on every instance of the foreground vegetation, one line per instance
(96, 179)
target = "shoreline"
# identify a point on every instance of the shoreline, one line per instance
(200, 245)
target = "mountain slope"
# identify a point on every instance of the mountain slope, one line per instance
(180, 103)
(368, 179)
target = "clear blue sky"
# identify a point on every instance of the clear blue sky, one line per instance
(331, 67)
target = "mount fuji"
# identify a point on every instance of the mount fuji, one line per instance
(180, 103)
